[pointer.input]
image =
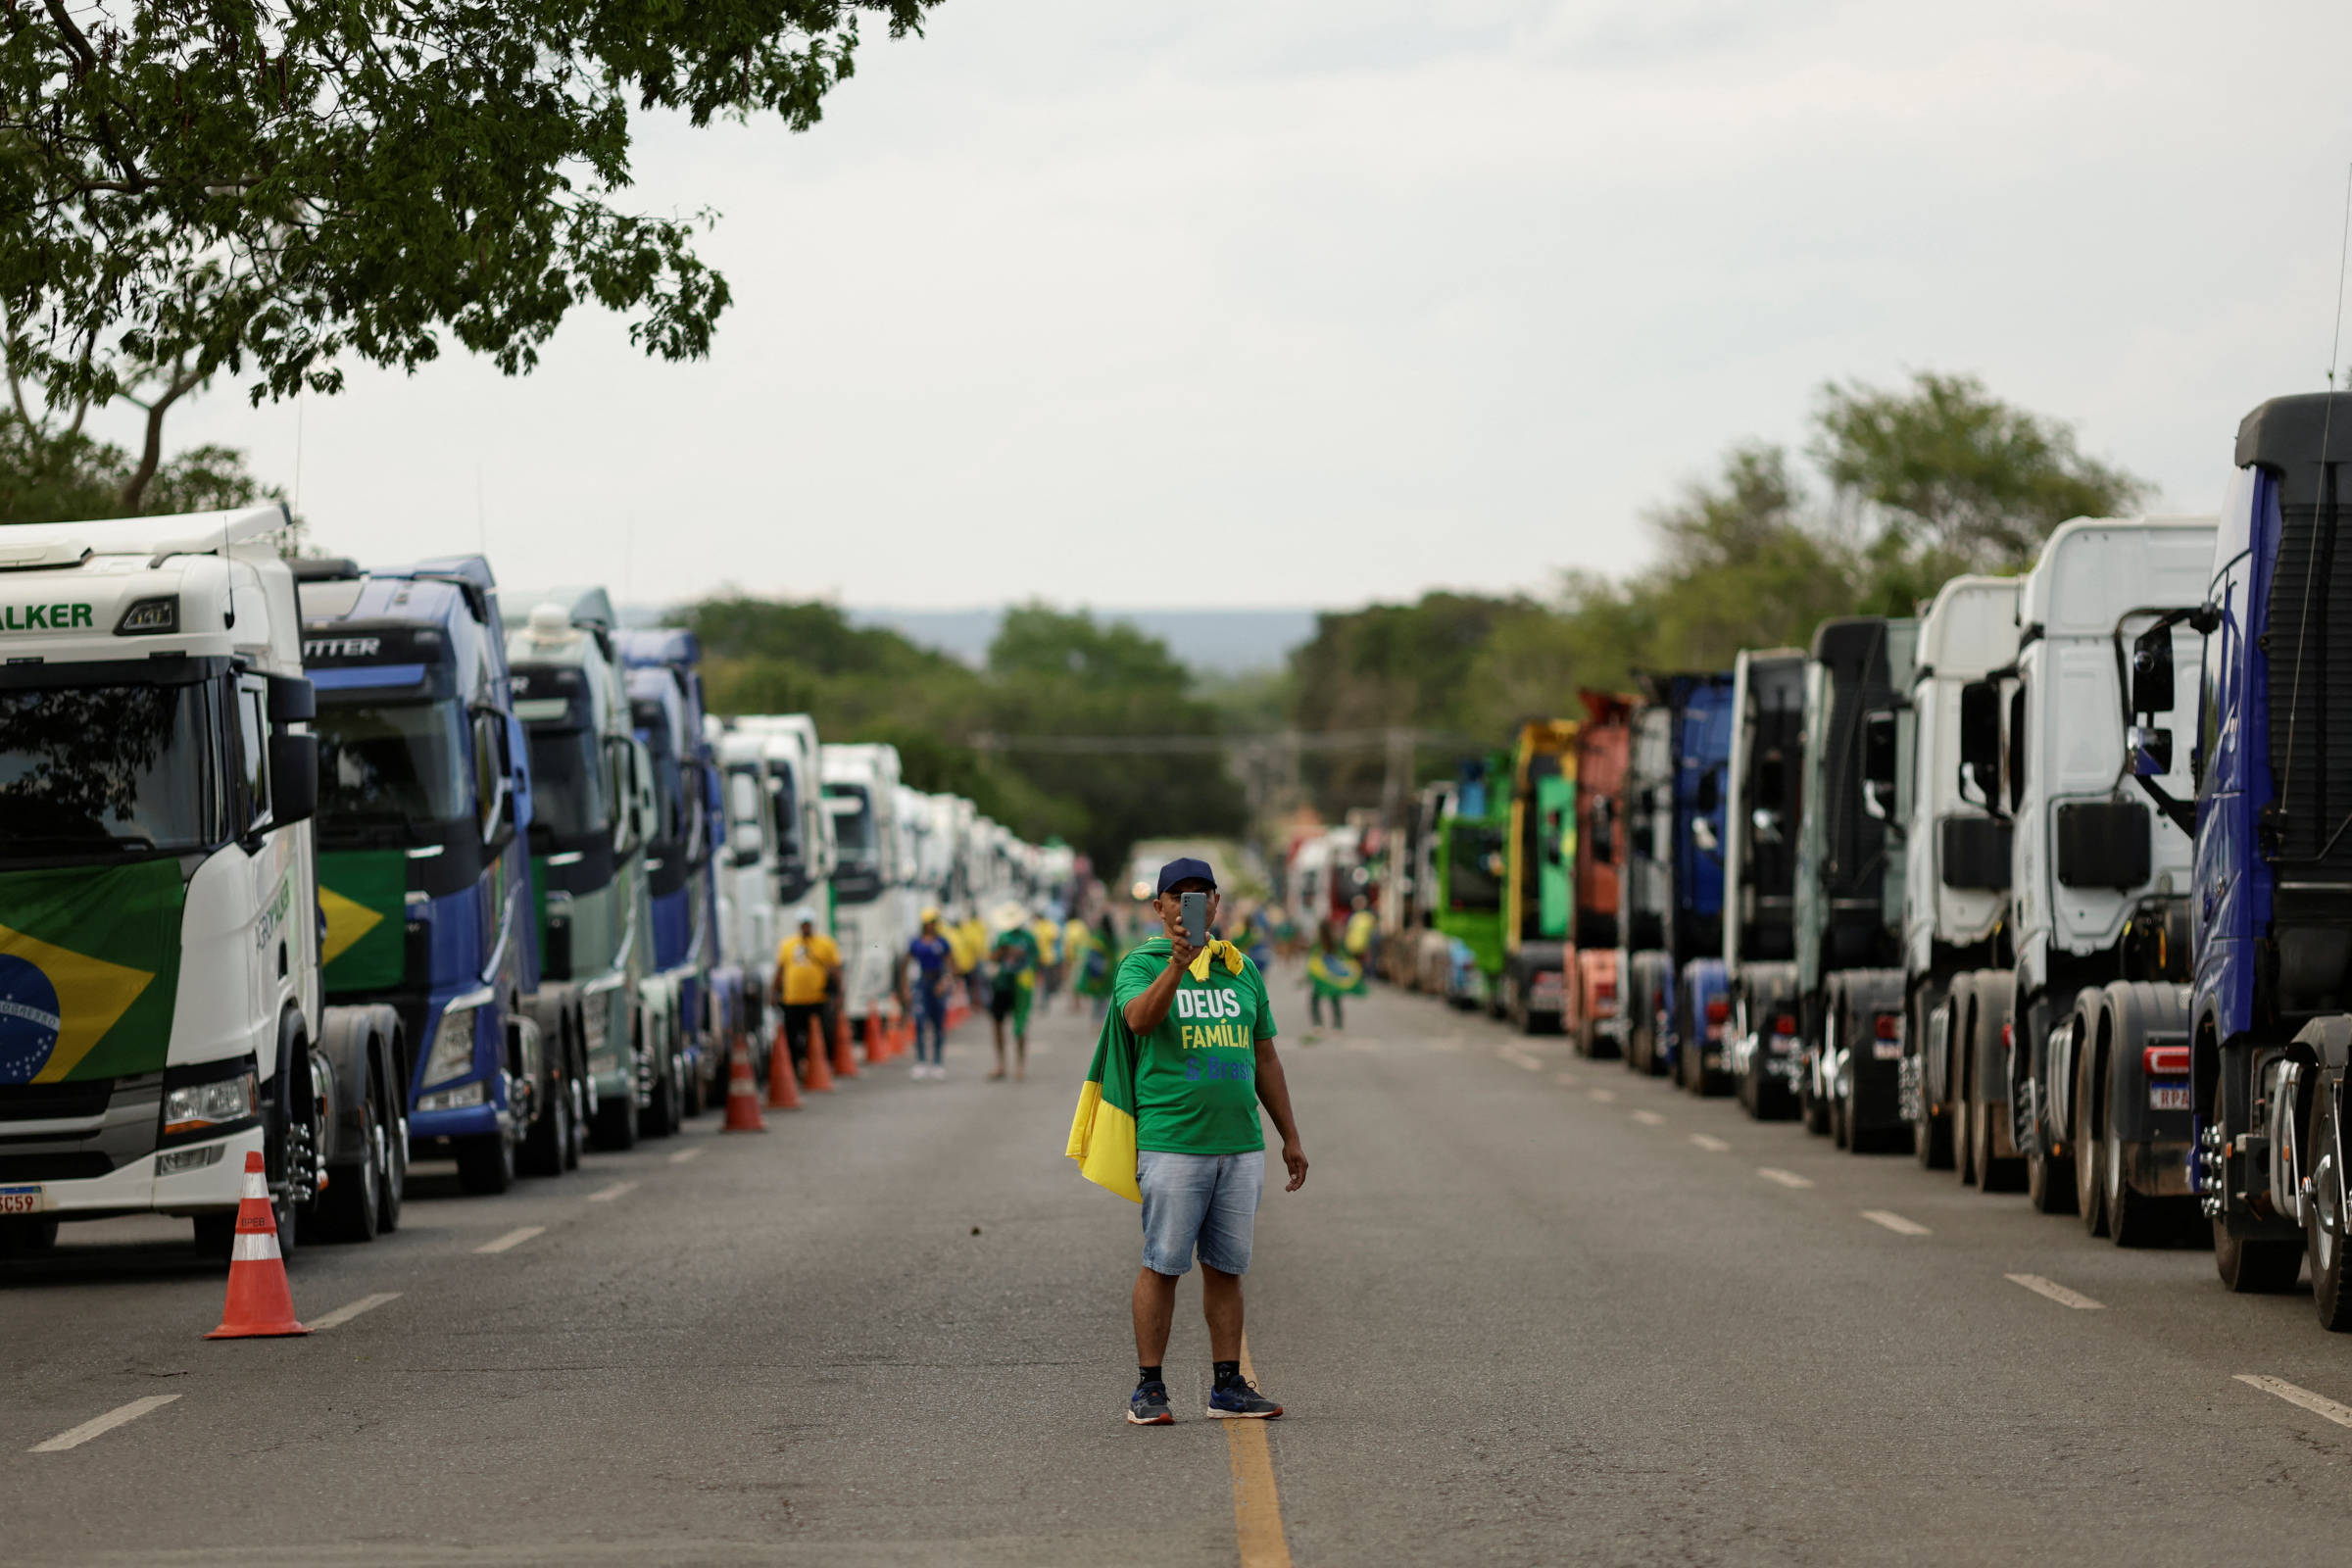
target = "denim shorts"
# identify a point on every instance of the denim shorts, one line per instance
(1208, 1201)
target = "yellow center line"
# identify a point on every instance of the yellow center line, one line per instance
(1256, 1504)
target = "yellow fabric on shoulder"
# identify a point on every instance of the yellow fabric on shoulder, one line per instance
(1103, 1142)
(1219, 948)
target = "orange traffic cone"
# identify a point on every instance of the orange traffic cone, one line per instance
(742, 1093)
(875, 1034)
(259, 1305)
(783, 1087)
(815, 1076)
(845, 1065)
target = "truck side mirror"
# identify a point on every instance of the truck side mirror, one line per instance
(2151, 751)
(292, 699)
(293, 776)
(1877, 764)
(2152, 671)
(1980, 741)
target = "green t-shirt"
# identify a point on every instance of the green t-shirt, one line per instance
(1196, 1075)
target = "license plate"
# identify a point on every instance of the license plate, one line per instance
(1887, 1049)
(21, 1201)
(2168, 1097)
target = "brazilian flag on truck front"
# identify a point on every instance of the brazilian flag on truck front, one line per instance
(90, 970)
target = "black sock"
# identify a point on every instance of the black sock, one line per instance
(1228, 1373)
(1150, 1373)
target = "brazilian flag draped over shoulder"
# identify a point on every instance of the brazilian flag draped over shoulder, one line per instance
(90, 970)
(1102, 1133)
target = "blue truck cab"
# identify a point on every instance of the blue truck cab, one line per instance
(1693, 997)
(424, 882)
(666, 708)
(2270, 998)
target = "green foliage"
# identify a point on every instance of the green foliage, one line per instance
(1049, 673)
(274, 186)
(68, 476)
(1951, 466)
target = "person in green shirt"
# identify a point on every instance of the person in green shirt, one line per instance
(1205, 1063)
(1012, 987)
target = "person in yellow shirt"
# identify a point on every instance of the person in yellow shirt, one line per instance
(807, 967)
(1049, 957)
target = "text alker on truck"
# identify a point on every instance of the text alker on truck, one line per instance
(161, 1014)
(426, 807)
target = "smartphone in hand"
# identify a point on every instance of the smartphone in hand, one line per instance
(1194, 916)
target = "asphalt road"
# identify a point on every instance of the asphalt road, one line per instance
(1528, 1310)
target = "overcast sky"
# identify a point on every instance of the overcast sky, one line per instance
(1225, 303)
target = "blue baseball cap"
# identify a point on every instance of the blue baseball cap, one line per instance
(1186, 869)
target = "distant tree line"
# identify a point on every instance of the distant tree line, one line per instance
(1909, 486)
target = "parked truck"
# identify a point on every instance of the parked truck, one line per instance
(1755, 977)
(424, 867)
(2099, 881)
(1591, 1016)
(1539, 888)
(1849, 906)
(871, 918)
(1671, 892)
(2269, 1034)
(1956, 853)
(666, 706)
(1470, 865)
(161, 1010)
(592, 819)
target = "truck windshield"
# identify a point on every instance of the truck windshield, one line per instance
(113, 769)
(670, 783)
(853, 831)
(1472, 882)
(391, 761)
(567, 783)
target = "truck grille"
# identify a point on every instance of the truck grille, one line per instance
(2311, 739)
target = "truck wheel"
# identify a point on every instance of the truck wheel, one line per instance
(2323, 1220)
(485, 1162)
(352, 1210)
(575, 1089)
(2049, 1183)
(1934, 1140)
(20, 1235)
(2255, 1265)
(396, 1171)
(661, 1118)
(1816, 1109)
(2091, 1097)
(616, 1122)
(550, 1137)
(2137, 1218)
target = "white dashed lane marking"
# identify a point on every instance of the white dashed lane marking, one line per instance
(513, 1238)
(683, 1155)
(2316, 1405)
(1894, 1222)
(2056, 1291)
(1713, 1146)
(605, 1195)
(99, 1426)
(1650, 1118)
(1786, 1178)
(344, 1314)
(1520, 1058)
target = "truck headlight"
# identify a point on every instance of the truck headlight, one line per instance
(452, 1056)
(199, 1107)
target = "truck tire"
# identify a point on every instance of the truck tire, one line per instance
(2323, 1221)
(1996, 1172)
(21, 1235)
(2255, 1265)
(2049, 1182)
(660, 1117)
(352, 1210)
(616, 1122)
(485, 1162)
(579, 1090)
(549, 1143)
(1936, 1142)
(2091, 1103)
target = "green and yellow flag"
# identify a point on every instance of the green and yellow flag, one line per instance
(1102, 1133)
(90, 970)
(364, 895)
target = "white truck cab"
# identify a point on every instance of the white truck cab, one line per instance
(869, 895)
(160, 1005)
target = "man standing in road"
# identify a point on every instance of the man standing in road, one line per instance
(1202, 1035)
(934, 971)
(806, 964)
(1012, 988)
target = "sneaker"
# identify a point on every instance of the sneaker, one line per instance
(1148, 1406)
(1238, 1402)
